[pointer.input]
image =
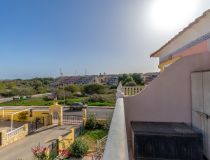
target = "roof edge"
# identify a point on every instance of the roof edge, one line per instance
(155, 54)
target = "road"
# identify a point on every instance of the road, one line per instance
(21, 150)
(99, 112)
(2, 100)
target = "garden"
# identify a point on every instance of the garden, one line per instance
(87, 144)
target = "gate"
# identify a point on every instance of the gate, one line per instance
(72, 119)
(34, 126)
(55, 118)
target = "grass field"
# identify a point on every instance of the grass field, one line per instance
(91, 137)
(43, 102)
(28, 102)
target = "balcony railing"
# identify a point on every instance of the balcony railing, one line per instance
(132, 90)
(15, 132)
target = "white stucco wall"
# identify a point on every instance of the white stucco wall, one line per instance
(116, 145)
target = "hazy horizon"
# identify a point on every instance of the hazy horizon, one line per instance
(38, 38)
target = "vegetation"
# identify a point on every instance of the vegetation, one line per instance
(131, 83)
(39, 152)
(94, 89)
(22, 116)
(95, 135)
(79, 148)
(92, 94)
(20, 87)
(131, 79)
(101, 100)
(91, 122)
(91, 137)
(72, 88)
(28, 102)
(100, 104)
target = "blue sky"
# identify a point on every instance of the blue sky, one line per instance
(38, 37)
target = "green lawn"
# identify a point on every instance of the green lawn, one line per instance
(42, 102)
(96, 134)
(100, 104)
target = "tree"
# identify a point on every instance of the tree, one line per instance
(41, 89)
(123, 78)
(131, 83)
(72, 88)
(94, 89)
(23, 91)
(137, 78)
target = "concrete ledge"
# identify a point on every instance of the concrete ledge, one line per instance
(116, 145)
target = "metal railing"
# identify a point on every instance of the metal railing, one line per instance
(72, 119)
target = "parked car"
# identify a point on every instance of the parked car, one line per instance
(78, 106)
(16, 98)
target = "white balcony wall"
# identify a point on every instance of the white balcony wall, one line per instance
(116, 146)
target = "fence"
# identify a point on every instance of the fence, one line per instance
(72, 119)
(100, 148)
(78, 130)
(53, 149)
(34, 126)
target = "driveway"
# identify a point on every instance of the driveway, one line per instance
(21, 150)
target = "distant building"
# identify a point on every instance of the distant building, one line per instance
(66, 80)
(90, 79)
(113, 80)
(148, 77)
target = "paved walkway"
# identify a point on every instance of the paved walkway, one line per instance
(21, 150)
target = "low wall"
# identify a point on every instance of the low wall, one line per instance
(8, 137)
(65, 141)
(36, 114)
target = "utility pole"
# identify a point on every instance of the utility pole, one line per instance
(62, 79)
(85, 72)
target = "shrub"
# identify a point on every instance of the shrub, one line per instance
(39, 152)
(103, 124)
(79, 148)
(72, 88)
(91, 122)
(100, 124)
(96, 98)
(101, 99)
(94, 89)
(131, 83)
(22, 116)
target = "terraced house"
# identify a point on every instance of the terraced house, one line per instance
(169, 119)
